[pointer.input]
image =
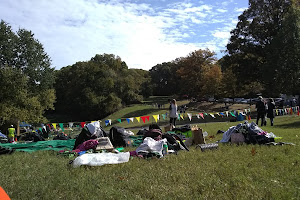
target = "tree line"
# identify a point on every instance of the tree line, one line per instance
(262, 56)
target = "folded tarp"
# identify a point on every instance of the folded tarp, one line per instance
(55, 145)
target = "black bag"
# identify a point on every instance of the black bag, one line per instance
(33, 136)
(86, 135)
(119, 137)
(172, 142)
(257, 139)
(142, 132)
(153, 133)
(61, 136)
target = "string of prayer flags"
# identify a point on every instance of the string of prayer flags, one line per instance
(138, 119)
(54, 125)
(212, 115)
(233, 115)
(227, 113)
(182, 117)
(190, 116)
(82, 124)
(108, 121)
(71, 124)
(164, 116)
(201, 115)
(128, 120)
(119, 120)
(144, 118)
(61, 125)
(155, 117)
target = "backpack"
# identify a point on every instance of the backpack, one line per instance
(172, 142)
(119, 137)
(86, 135)
(61, 136)
(153, 133)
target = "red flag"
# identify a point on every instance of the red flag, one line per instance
(249, 117)
(201, 114)
(298, 112)
(82, 124)
(143, 118)
(147, 117)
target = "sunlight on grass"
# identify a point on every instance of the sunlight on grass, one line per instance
(230, 172)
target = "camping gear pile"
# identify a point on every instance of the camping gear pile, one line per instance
(249, 133)
(95, 147)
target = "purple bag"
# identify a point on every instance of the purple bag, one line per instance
(90, 144)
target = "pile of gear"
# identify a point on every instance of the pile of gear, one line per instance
(249, 133)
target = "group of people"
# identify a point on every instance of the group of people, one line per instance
(265, 109)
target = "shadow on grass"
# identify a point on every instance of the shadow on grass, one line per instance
(289, 125)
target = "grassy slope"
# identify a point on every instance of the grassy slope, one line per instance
(231, 172)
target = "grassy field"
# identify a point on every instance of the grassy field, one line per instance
(230, 172)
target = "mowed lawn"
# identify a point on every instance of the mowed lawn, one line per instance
(230, 172)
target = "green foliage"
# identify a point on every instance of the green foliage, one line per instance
(194, 69)
(94, 89)
(254, 52)
(164, 78)
(26, 76)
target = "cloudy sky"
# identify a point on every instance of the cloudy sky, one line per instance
(142, 32)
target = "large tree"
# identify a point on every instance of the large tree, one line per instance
(194, 71)
(26, 76)
(164, 78)
(94, 89)
(250, 44)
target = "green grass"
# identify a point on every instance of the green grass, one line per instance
(230, 172)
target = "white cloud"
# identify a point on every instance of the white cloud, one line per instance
(142, 36)
(221, 34)
(240, 10)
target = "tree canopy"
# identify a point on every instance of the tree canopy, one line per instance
(26, 76)
(254, 52)
(96, 88)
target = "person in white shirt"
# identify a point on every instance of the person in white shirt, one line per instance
(173, 112)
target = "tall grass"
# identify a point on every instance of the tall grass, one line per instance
(230, 172)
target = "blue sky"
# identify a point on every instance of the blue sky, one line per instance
(142, 32)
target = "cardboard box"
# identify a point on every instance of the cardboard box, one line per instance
(198, 136)
(104, 144)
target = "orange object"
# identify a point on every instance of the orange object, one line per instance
(3, 195)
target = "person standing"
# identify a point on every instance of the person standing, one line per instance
(173, 112)
(261, 110)
(11, 134)
(270, 112)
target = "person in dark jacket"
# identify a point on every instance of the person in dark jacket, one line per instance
(270, 112)
(261, 110)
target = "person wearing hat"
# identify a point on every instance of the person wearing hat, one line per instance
(261, 110)
(11, 133)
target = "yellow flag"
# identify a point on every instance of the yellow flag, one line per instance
(93, 121)
(155, 117)
(138, 119)
(276, 111)
(181, 116)
(54, 125)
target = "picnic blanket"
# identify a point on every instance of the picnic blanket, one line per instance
(55, 145)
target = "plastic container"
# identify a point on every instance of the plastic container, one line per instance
(165, 149)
